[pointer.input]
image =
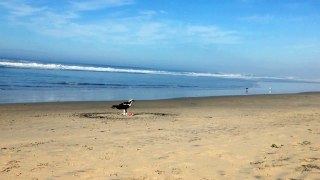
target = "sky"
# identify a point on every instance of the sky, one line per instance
(262, 37)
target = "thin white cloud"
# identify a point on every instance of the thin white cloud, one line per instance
(18, 9)
(98, 4)
(148, 13)
(52, 20)
(262, 19)
(144, 27)
(151, 13)
(211, 34)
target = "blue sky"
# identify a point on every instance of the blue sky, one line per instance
(264, 37)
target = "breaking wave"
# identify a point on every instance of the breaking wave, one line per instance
(36, 65)
(90, 85)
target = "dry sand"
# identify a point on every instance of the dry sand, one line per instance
(240, 137)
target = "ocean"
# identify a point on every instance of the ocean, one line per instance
(32, 82)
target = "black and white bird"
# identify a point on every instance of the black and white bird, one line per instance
(124, 106)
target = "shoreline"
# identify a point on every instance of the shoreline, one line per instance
(219, 137)
(177, 98)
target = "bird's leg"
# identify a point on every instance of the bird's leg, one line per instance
(124, 112)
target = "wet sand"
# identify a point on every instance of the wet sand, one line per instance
(237, 137)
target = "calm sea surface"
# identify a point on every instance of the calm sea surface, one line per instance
(22, 81)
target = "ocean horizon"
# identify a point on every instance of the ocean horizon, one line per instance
(24, 81)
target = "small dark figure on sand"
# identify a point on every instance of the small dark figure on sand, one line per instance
(124, 106)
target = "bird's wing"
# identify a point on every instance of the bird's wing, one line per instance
(125, 103)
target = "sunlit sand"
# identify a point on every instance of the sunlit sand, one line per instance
(240, 137)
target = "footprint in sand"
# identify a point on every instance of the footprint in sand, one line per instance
(87, 147)
(310, 159)
(276, 146)
(176, 171)
(40, 166)
(257, 162)
(11, 165)
(159, 172)
(194, 139)
(308, 167)
(304, 143)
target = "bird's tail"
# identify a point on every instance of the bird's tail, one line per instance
(114, 106)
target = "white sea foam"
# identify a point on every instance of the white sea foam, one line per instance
(35, 65)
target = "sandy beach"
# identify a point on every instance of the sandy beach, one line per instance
(236, 137)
